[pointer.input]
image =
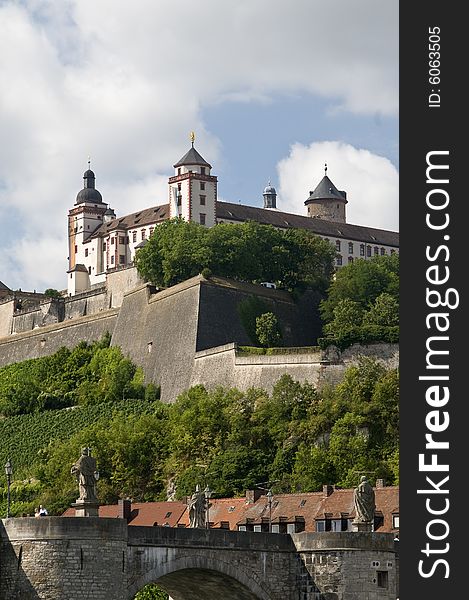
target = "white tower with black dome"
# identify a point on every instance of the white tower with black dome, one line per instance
(192, 189)
(84, 218)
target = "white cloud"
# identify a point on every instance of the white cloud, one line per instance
(371, 181)
(126, 82)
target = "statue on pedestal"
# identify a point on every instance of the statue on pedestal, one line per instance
(197, 509)
(85, 471)
(364, 502)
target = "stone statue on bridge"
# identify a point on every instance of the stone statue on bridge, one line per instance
(197, 506)
(364, 501)
(85, 471)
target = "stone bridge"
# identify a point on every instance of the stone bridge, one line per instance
(57, 558)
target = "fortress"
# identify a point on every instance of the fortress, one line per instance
(189, 333)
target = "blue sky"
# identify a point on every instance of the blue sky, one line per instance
(272, 90)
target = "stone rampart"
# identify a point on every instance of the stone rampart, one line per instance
(44, 341)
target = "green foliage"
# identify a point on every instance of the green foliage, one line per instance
(247, 251)
(224, 438)
(88, 374)
(268, 331)
(249, 310)
(366, 334)
(384, 312)
(24, 436)
(52, 293)
(362, 282)
(347, 315)
(151, 592)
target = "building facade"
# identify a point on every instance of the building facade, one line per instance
(100, 243)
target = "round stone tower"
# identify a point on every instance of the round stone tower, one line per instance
(326, 201)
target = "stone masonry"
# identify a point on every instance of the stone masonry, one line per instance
(57, 558)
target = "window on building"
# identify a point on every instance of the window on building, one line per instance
(338, 261)
(362, 249)
(134, 236)
(350, 247)
(376, 250)
(258, 528)
(86, 251)
(202, 170)
(202, 200)
(89, 270)
(202, 218)
(224, 525)
(104, 247)
(382, 579)
(383, 251)
(344, 521)
(395, 521)
(126, 239)
(337, 245)
(393, 251)
(241, 527)
(275, 528)
(179, 170)
(202, 185)
(168, 514)
(290, 527)
(368, 250)
(112, 241)
(112, 260)
(121, 259)
(122, 240)
(152, 229)
(144, 234)
(76, 248)
(323, 525)
(179, 197)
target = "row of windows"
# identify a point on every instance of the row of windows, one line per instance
(376, 251)
(202, 172)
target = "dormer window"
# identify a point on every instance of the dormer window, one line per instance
(202, 170)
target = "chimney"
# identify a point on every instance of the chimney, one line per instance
(380, 483)
(124, 509)
(254, 495)
(327, 490)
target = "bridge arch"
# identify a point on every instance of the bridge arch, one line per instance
(188, 577)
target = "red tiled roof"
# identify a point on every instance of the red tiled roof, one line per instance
(288, 508)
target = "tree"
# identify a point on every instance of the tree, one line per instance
(347, 314)
(247, 251)
(362, 282)
(52, 293)
(268, 331)
(384, 311)
(151, 592)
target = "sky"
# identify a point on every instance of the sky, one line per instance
(273, 91)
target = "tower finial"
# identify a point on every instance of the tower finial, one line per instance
(192, 137)
(89, 162)
(325, 168)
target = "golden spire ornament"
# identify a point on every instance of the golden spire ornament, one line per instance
(192, 137)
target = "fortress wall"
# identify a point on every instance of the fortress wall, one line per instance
(88, 303)
(219, 321)
(159, 332)
(225, 366)
(6, 317)
(119, 282)
(44, 341)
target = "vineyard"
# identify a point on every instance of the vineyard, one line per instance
(24, 436)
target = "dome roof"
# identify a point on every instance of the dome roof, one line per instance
(270, 190)
(89, 173)
(89, 195)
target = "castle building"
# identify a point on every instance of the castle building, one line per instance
(100, 243)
